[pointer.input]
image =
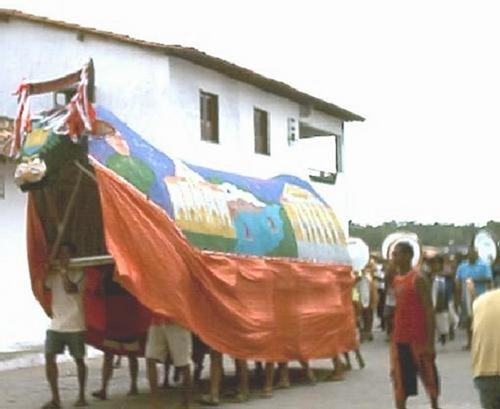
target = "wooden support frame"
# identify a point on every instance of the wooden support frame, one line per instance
(66, 82)
(61, 227)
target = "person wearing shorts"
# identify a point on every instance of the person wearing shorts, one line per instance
(67, 326)
(485, 348)
(473, 278)
(412, 350)
(168, 339)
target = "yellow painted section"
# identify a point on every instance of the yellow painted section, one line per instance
(200, 207)
(311, 220)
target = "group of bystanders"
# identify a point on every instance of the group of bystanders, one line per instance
(429, 306)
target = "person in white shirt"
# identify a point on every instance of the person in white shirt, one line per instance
(440, 299)
(67, 326)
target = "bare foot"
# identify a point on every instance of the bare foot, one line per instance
(207, 400)
(52, 405)
(241, 397)
(310, 377)
(133, 391)
(80, 403)
(283, 385)
(335, 376)
(100, 394)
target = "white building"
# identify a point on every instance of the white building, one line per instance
(200, 108)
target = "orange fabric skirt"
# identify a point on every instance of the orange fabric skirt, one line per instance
(407, 362)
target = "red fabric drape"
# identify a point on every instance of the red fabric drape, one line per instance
(112, 317)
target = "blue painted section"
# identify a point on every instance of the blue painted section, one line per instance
(258, 221)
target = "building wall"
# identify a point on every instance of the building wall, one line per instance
(129, 81)
(21, 318)
(237, 101)
(158, 96)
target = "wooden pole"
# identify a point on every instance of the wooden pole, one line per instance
(51, 206)
(91, 261)
(61, 227)
(80, 262)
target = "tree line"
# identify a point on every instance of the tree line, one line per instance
(439, 235)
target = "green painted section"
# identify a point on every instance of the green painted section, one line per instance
(210, 242)
(133, 170)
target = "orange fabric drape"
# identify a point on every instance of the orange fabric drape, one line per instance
(270, 309)
(38, 255)
(248, 307)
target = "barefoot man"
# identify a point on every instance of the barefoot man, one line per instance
(67, 327)
(412, 339)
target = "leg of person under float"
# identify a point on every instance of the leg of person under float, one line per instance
(166, 372)
(215, 375)
(337, 373)
(152, 373)
(106, 374)
(243, 380)
(81, 369)
(359, 358)
(308, 372)
(400, 403)
(212, 399)
(52, 374)
(185, 375)
(267, 391)
(199, 351)
(347, 359)
(283, 376)
(133, 367)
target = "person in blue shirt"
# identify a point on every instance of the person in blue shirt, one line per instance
(473, 278)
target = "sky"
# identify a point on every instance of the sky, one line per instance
(425, 75)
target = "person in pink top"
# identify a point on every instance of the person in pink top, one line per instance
(412, 338)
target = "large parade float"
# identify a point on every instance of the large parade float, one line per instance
(258, 269)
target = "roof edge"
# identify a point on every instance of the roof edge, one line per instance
(200, 58)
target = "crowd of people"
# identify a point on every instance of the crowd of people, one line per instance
(415, 306)
(422, 303)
